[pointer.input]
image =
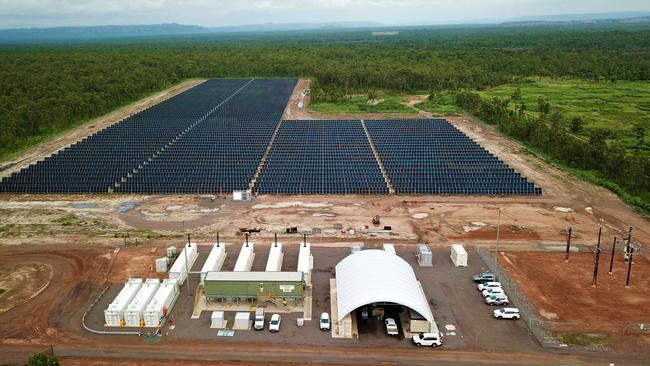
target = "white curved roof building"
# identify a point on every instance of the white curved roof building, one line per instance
(377, 276)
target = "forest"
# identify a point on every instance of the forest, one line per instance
(46, 88)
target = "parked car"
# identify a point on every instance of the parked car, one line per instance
(507, 313)
(483, 277)
(274, 324)
(325, 322)
(492, 291)
(427, 339)
(259, 318)
(391, 326)
(497, 300)
(483, 286)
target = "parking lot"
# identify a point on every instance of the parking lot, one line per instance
(458, 308)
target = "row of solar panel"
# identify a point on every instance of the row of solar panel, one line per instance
(98, 162)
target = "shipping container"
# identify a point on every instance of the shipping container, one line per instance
(248, 285)
(114, 314)
(305, 261)
(245, 259)
(133, 316)
(162, 301)
(180, 267)
(215, 260)
(274, 263)
(458, 255)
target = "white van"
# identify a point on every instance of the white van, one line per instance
(259, 318)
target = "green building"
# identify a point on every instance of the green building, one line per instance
(251, 285)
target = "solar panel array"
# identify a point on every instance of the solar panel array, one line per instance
(321, 157)
(220, 154)
(226, 134)
(433, 157)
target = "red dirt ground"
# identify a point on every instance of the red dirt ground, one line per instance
(563, 292)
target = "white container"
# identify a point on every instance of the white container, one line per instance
(171, 251)
(114, 314)
(217, 320)
(425, 257)
(215, 260)
(135, 311)
(274, 263)
(305, 262)
(179, 268)
(242, 321)
(458, 255)
(390, 248)
(162, 264)
(245, 259)
(164, 298)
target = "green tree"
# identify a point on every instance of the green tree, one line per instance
(639, 133)
(42, 359)
(576, 124)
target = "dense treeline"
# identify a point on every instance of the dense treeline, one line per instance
(625, 172)
(50, 87)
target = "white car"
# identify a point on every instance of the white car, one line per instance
(507, 313)
(493, 291)
(497, 300)
(325, 322)
(259, 319)
(391, 327)
(274, 324)
(427, 339)
(486, 285)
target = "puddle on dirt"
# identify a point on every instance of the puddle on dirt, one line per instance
(84, 205)
(126, 206)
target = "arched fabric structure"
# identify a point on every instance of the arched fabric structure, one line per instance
(371, 276)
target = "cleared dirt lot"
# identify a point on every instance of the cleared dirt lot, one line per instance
(563, 293)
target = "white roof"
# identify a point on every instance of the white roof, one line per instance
(372, 276)
(255, 276)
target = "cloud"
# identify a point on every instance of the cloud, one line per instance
(33, 13)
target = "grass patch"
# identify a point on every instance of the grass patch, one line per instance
(617, 106)
(579, 339)
(359, 104)
(2, 291)
(442, 103)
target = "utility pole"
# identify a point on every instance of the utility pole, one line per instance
(597, 257)
(611, 261)
(568, 244)
(629, 266)
(629, 244)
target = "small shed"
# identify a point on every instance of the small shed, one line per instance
(242, 321)
(458, 255)
(217, 320)
(425, 257)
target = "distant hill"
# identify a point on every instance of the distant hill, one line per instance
(621, 17)
(281, 27)
(171, 29)
(98, 32)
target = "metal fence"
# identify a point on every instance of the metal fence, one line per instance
(537, 326)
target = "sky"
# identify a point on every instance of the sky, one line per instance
(215, 13)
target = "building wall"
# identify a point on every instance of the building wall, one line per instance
(252, 288)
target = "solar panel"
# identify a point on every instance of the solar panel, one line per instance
(434, 157)
(321, 157)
